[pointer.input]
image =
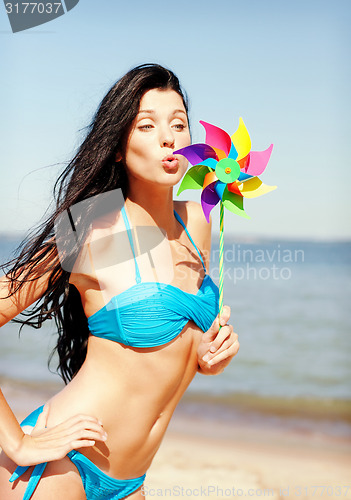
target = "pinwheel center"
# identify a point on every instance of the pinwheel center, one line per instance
(227, 170)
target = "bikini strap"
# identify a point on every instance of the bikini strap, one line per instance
(130, 236)
(190, 238)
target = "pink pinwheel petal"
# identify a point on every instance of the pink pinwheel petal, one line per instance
(209, 199)
(196, 153)
(217, 137)
(258, 161)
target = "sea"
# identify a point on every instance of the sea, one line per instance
(290, 305)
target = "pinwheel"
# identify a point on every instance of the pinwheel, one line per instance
(227, 171)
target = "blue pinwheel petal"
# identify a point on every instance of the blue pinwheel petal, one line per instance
(219, 188)
(209, 162)
(233, 152)
(244, 177)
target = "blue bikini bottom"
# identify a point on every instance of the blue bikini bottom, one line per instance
(97, 485)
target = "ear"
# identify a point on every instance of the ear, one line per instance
(118, 157)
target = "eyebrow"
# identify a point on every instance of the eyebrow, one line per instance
(152, 112)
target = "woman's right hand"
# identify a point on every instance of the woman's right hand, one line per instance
(46, 444)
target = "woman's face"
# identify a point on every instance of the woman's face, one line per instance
(160, 127)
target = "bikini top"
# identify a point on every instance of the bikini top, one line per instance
(150, 314)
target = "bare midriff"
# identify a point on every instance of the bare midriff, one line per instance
(134, 393)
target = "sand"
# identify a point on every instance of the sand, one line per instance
(254, 462)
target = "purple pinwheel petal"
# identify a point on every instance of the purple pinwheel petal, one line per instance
(209, 199)
(258, 161)
(196, 153)
(217, 137)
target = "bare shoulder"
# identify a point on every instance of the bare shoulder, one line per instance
(194, 218)
(200, 230)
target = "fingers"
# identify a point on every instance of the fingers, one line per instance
(223, 342)
(224, 317)
(211, 333)
(77, 428)
(47, 444)
(223, 334)
(228, 349)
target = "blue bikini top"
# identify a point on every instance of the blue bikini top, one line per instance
(150, 314)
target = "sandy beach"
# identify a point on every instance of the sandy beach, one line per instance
(249, 456)
(198, 459)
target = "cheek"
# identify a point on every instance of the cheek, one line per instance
(136, 151)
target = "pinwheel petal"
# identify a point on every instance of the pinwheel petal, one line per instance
(234, 203)
(258, 161)
(209, 162)
(254, 187)
(210, 178)
(233, 187)
(209, 199)
(243, 162)
(219, 188)
(241, 140)
(194, 178)
(220, 153)
(244, 177)
(217, 137)
(196, 153)
(233, 152)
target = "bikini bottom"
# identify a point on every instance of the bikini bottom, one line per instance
(97, 485)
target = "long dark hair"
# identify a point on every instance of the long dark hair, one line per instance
(92, 171)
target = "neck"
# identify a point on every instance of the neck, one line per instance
(153, 206)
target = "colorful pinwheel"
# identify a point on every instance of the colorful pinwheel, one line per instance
(226, 171)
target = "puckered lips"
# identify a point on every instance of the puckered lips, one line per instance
(170, 162)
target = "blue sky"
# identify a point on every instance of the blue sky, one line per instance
(283, 66)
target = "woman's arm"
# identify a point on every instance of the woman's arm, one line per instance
(43, 444)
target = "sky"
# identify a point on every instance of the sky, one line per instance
(283, 66)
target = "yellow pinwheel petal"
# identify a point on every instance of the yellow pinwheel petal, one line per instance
(241, 140)
(254, 187)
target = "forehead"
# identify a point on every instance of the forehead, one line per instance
(159, 100)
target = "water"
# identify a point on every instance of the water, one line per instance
(290, 304)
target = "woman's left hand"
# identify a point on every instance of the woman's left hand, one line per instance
(217, 346)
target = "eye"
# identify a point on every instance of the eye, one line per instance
(145, 128)
(179, 126)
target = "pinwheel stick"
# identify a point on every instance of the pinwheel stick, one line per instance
(221, 251)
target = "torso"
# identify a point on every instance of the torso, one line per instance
(134, 391)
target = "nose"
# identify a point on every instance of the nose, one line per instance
(167, 138)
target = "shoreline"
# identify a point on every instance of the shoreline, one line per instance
(331, 417)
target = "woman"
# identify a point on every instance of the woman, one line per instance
(152, 315)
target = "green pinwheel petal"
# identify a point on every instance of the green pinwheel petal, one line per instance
(227, 170)
(194, 178)
(234, 203)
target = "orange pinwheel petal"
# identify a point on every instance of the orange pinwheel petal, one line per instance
(209, 178)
